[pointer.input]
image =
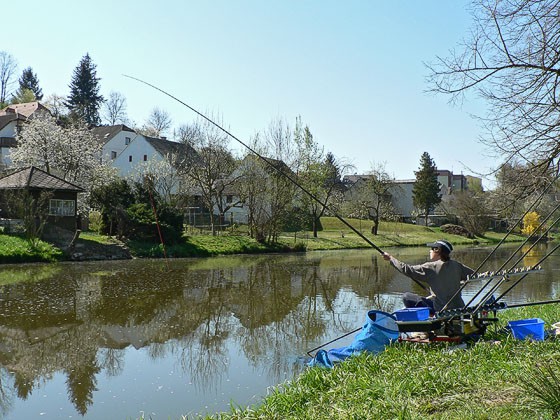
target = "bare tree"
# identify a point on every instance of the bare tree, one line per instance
(511, 60)
(210, 171)
(114, 109)
(8, 68)
(372, 197)
(55, 104)
(157, 123)
(268, 195)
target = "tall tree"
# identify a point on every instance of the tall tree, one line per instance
(84, 99)
(8, 67)
(426, 190)
(511, 59)
(29, 81)
(23, 96)
(114, 109)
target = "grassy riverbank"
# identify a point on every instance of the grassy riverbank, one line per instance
(335, 235)
(490, 379)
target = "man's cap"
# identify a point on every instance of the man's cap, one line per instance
(441, 243)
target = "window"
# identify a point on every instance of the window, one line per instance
(127, 140)
(130, 158)
(113, 155)
(229, 199)
(61, 207)
(145, 158)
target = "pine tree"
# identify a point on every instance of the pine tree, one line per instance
(29, 81)
(84, 99)
(426, 191)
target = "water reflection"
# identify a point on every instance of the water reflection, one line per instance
(218, 322)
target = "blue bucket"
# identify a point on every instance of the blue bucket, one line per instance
(412, 314)
(527, 328)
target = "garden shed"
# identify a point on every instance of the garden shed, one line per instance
(33, 185)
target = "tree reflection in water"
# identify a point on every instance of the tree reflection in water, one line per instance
(81, 319)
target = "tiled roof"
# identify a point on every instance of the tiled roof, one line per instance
(106, 132)
(35, 178)
(168, 148)
(25, 109)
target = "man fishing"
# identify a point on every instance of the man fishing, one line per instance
(442, 274)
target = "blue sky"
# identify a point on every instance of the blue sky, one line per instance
(353, 70)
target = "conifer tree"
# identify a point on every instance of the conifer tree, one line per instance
(84, 99)
(29, 81)
(426, 191)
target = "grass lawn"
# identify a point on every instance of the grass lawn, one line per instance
(336, 235)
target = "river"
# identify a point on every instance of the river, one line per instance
(165, 338)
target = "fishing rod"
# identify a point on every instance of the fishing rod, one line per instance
(276, 168)
(505, 277)
(458, 292)
(522, 277)
(332, 341)
(492, 289)
(310, 194)
(542, 302)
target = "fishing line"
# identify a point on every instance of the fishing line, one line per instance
(158, 227)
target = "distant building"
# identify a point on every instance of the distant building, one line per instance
(401, 193)
(129, 152)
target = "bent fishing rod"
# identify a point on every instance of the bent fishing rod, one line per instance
(511, 270)
(277, 169)
(267, 162)
(492, 289)
(535, 202)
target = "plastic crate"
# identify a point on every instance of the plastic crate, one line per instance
(412, 314)
(527, 328)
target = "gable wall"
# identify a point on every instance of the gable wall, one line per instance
(135, 151)
(117, 144)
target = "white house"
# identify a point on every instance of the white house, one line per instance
(114, 138)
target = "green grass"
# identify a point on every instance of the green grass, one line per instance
(487, 380)
(15, 249)
(336, 235)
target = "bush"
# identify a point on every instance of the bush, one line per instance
(95, 221)
(143, 226)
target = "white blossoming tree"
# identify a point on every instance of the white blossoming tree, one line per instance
(72, 153)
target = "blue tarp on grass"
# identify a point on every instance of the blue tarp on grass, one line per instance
(379, 330)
